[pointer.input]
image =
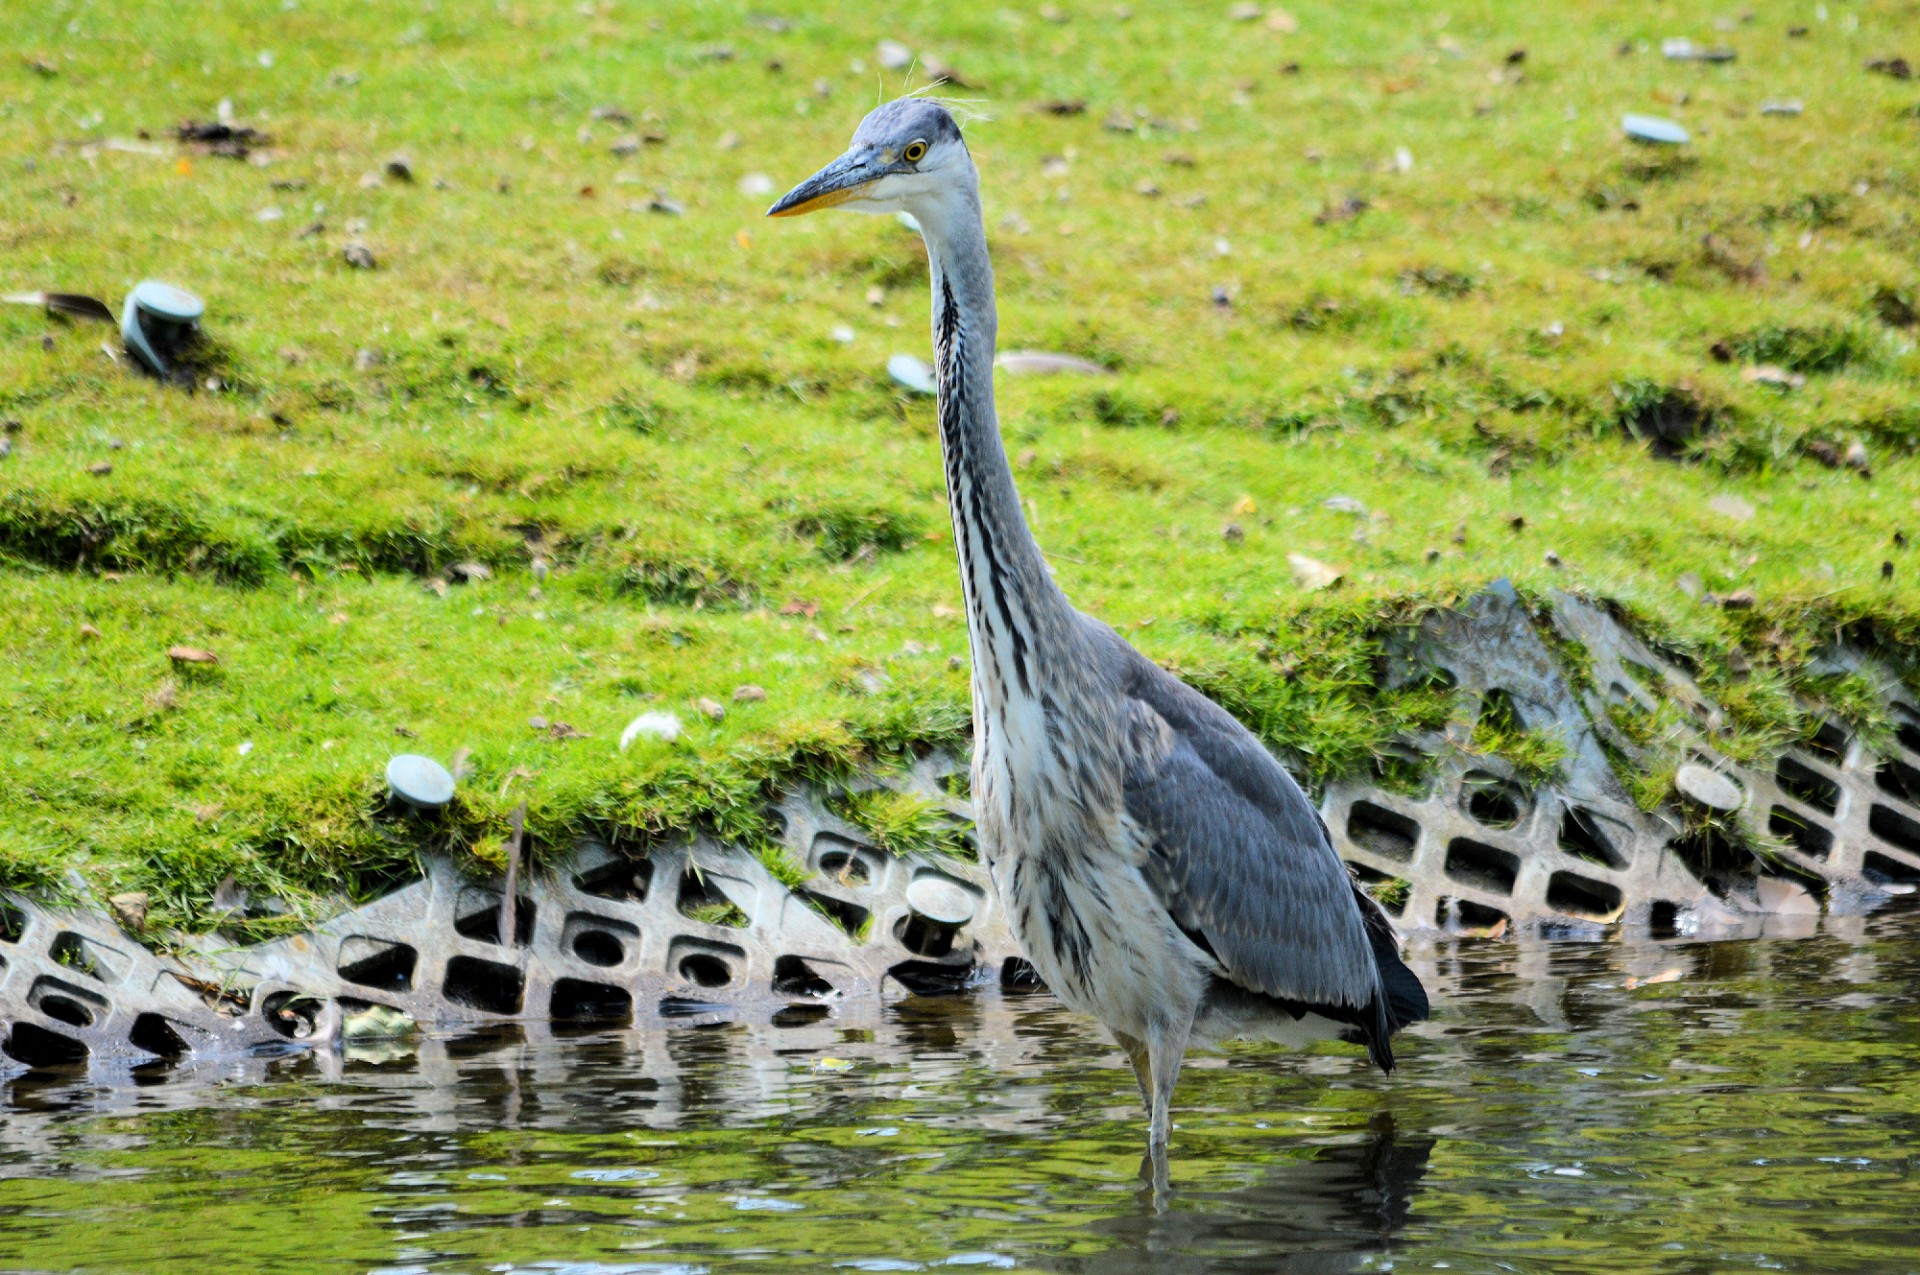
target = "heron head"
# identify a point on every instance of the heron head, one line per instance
(903, 154)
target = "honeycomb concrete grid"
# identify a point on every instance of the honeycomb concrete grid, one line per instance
(1477, 848)
(606, 936)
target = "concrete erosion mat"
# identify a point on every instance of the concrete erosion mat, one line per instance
(608, 936)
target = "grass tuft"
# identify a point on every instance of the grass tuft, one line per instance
(900, 822)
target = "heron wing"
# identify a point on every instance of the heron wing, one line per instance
(1245, 866)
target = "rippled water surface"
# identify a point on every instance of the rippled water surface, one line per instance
(1755, 1105)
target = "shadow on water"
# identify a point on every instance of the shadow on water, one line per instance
(1690, 1102)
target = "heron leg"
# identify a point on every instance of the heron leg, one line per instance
(1136, 1051)
(1166, 1051)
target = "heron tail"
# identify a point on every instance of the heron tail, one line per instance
(1401, 999)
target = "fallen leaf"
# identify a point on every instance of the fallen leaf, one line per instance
(130, 909)
(1731, 506)
(1664, 976)
(1346, 210)
(1041, 362)
(1823, 451)
(191, 655)
(652, 725)
(1310, 573)
(228, 896)
(1785, 898)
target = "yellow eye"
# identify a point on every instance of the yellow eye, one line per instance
(915, 152)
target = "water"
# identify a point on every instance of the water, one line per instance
(1757, 1105)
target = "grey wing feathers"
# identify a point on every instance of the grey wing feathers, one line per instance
(1239, 856)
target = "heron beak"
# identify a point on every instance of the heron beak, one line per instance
(845, 178)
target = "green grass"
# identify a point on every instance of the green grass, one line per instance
(682, 483)
(901, 822)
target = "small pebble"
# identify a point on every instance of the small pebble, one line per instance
(359, 256)
(749, 694)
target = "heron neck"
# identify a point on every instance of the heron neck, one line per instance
(1014, 609)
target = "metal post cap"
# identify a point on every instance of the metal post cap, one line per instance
(419, 781)
(165, 305)
(1651, 128)
(164, 301)
(941, 901)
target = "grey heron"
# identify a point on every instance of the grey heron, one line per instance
(1165, 874)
